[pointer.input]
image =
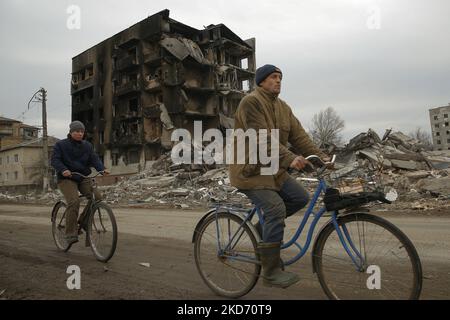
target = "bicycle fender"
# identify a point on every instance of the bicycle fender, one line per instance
(329, 224)
(239, 215)
(197, 227)
(54, 210)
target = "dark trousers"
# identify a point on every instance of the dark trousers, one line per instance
(277, 206)
(69, 189)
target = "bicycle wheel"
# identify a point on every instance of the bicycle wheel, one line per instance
(59, 226)
(218, 267)
(390, 268)
(102, 232)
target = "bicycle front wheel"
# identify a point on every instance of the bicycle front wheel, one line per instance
(59, 226)
(102, 232)
(387, 264)
(229, 269)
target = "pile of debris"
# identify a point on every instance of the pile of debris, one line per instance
(420, 177)
(166, 184)
(416, 173)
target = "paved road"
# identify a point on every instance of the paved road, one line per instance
(32, 268)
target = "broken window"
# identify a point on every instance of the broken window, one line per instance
(436, 126)
(446, 124)
(439, 142)
(90, 93)
(133, 53)
(133, 156)
(133, 105)
(89, 116)
(90, 71)
(245, 85)
(115, 159)
(445, 115)
(244, 63)
(436, 118)
(16, 158)
(16, 175)
(438, 134)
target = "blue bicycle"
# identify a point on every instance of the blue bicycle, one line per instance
(356, 255)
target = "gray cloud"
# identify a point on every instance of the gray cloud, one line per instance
(374, 78)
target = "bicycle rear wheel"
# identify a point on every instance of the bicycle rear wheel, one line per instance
(219, 268)
(390, 268)
(102, 232)
(59, 226)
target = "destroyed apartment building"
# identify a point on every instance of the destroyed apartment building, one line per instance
(134, 88)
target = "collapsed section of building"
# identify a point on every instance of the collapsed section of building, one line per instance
(134, 88)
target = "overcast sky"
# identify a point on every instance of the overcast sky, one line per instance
(378, 73)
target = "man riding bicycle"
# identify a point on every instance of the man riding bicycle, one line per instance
(279, 195)
(75, 155)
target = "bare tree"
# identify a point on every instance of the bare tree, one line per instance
(423, 137)
(326, 128)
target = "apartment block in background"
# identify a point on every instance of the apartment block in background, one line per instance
(440, 127)
(133, 89)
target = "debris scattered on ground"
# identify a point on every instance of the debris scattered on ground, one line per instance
(145, 264)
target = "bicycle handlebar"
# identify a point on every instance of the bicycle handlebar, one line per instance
(324, 165)
(313, 156)
(85, 177)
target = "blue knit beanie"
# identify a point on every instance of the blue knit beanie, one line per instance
(76, 125)
(264, 71)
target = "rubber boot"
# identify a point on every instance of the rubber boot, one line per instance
(273, 275)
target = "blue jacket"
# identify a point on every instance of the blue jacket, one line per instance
(76, 156)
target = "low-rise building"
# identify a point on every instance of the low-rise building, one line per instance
(21, 165)
(13, 132)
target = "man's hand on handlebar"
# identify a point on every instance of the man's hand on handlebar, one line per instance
(300, 163)
(67, 173)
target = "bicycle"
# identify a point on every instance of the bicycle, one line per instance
(98, 222)
(348, 253)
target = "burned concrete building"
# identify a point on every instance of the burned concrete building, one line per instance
(134, 88)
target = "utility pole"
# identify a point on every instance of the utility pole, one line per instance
(43, 99)
(44, 140)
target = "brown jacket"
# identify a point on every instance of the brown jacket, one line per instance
(263, 110)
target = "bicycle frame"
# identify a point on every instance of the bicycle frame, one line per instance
(344, 237)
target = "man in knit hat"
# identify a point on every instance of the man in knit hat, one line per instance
(278, 195)
(75, 155)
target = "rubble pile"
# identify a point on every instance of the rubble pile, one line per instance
(176, 185)
(420, 177)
